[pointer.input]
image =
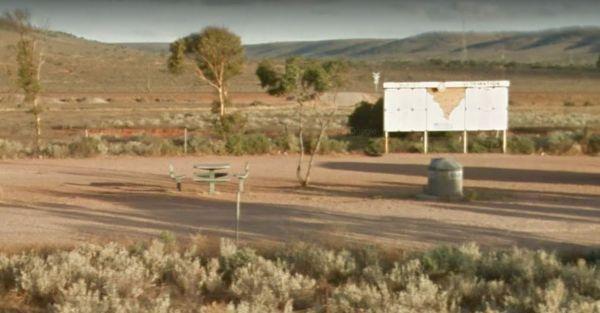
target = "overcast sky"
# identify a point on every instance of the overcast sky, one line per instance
(259, 21)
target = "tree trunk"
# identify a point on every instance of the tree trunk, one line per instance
(38, 133)
(221, 102)
(301, 179)
(312, 156)
(305, 181)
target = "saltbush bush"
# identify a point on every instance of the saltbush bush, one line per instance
(557, 142)
(248, 144)
(593, 144)
(521, 144)
(86, 147)
(165, 277)
(10, 149)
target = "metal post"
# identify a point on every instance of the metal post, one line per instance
(237, 217)
(185, 140)
(465, 143)
(386, 143)
(425, 142)
(504, 141)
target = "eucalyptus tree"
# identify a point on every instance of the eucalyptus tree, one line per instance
(217, 55)
(305, 81)
(30, 59)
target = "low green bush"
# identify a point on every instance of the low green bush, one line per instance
(558, 142)
(230, 125)
(300, 277)
(521, 144)
(332, 146)
(287, 143)
(56, 150)
(248, 144)
(376, 147)
(10, 149)
(593, 144)
(484, 144)
(86, 147)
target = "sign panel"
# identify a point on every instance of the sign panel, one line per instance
(487, 109)
(447, 106)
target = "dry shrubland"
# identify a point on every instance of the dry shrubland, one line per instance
(165, 277)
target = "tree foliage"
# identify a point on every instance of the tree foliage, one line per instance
(27, 69)
(367, 119)
(304, 81)
(217, 54)
(598, 63)
(177, 57)
(29, 62)
(17, 20)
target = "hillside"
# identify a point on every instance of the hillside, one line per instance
(565, 45)
(77, 65)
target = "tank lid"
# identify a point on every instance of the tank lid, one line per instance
(444, 164)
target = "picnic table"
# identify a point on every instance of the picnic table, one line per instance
(211, 175)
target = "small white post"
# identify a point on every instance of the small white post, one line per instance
(386, 142)
(504, 141)
(237, 217)
(465, 143)
(185, 140)
(425, 142)
(86, 133)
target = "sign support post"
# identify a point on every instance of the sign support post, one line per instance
(425, 142)
(465, 142)
(386, 142)
(504, 141)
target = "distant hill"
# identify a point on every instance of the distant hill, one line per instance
(76, 64)
(565, 45)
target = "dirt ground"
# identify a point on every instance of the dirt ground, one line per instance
(532, 201)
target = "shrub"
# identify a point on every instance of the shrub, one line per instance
(248, 144)
(520, 144)
(86, 147)
(569, 103)
(56, 150)
(558, 142)
(230, 125)
(484, 144)
(593, 144)
(10, 149)
(287, 143)
(329, 146)
(367, 119)
(303, 277)
(376, 147)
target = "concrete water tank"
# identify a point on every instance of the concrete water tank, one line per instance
(445, 178)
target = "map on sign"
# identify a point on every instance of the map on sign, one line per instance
(447, 99)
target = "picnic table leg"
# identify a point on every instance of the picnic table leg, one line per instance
(211, 182)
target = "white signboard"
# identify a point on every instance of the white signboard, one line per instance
(447, 106)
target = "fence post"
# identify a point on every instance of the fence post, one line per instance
(185, 140)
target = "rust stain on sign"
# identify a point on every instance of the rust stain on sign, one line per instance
(447, 99)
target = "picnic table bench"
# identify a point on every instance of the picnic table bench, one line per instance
(211, 174)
